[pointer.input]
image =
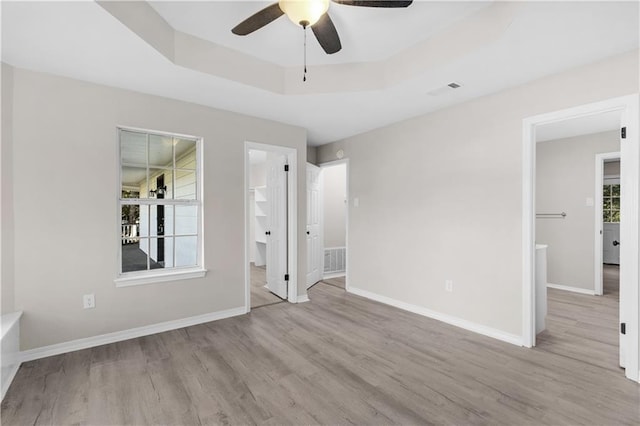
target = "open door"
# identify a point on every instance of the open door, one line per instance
(611, 244)
(277, 224)
(314, 225)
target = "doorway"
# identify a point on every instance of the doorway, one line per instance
(627, 108)
(270, 225)
(607, 217)
(334, 219)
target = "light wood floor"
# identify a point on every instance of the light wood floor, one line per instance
(336, 282)
(260, 296)
(339, 359)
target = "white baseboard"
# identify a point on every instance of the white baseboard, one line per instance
(302, 299)
(458, 322)
(132, 333)
(573, 289)
(333, 275)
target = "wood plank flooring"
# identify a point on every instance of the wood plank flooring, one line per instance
(336, 282)
(339, 359)
(260, 296)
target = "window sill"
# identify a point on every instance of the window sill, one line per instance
(184, 274)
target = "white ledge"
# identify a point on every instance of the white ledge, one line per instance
(9, 320)
(176, 275)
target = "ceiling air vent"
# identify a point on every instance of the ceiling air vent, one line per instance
(444, 89)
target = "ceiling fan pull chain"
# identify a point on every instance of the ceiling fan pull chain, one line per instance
(304, 75)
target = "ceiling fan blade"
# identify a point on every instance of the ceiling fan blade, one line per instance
(258, 20)
(374, 3)
(327, 35)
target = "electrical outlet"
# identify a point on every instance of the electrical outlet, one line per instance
(89, 301)
(448, 285)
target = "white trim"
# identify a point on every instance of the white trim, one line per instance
(10, 356)
(9, 379)
(334, 275)
(126, 279)
(629, 251)
(572, 289)
(458, 322)
(304, 298)
(597, 219)
(292, 159)
(8, 321)
(132, 333)
(346, 237)
(528, 233)
(170, 275)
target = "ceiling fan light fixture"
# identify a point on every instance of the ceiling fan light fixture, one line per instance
(304, 12)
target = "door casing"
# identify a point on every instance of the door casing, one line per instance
(630, 195)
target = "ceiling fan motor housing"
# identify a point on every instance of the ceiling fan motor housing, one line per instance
(304, 12)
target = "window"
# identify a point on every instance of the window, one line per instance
(160, 206)
(611, 203)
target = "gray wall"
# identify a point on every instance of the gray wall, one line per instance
(6, 214)
(312, 154)
(565, 176)
(612, 168)
(441, 196)
(334, 208)
(65, 190)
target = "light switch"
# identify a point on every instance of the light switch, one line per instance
(589, 202)
(356, 202)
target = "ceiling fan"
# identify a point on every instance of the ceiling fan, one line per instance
(309, 13)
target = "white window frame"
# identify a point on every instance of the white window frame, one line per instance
(126, 279)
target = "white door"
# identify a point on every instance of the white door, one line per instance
(314, 225)
(611, 243)
(276, 224)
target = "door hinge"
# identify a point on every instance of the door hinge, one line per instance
(623, 133)
(286, 277)
(286, 167)
(623, 328)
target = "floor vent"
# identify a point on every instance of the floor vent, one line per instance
(335, 259)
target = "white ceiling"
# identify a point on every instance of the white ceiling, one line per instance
(82, 40)
(367, 34)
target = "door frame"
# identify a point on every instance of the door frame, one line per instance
(344, 161)
(599, 225)
(292, 218)
(630, 175)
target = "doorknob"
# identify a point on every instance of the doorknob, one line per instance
(307, 232)
(267, 233)
(616, 242)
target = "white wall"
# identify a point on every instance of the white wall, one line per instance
(67, 231)
(258, 174)
(441, 196)
(6, 195)
(565, 176)
(334, 206)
